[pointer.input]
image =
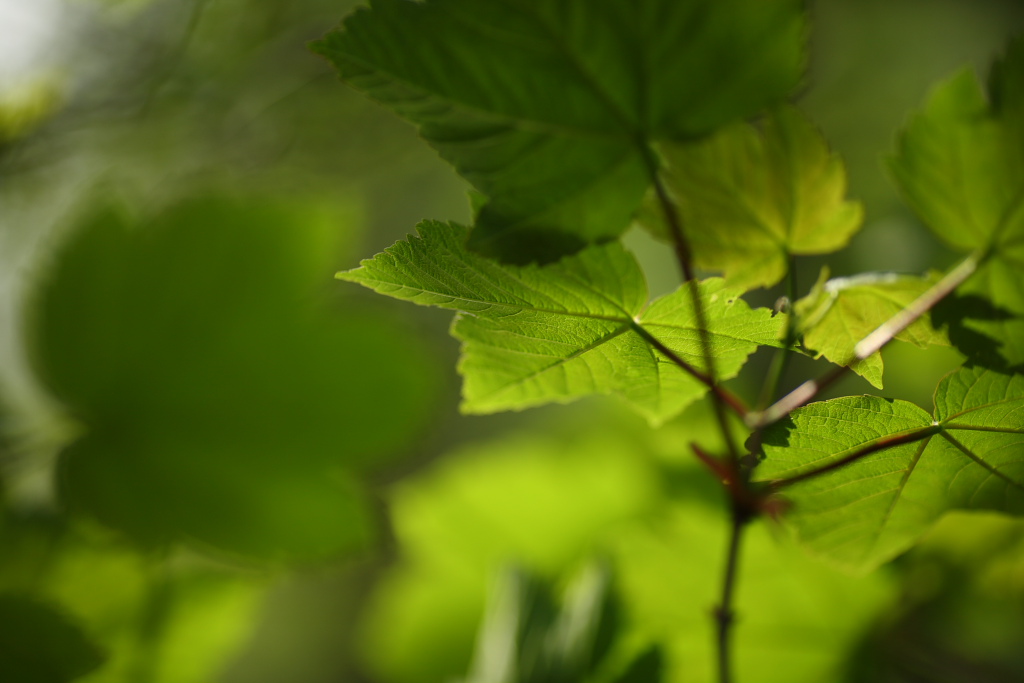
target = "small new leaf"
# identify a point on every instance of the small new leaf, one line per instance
(863, 513)
(540, 334)
(960, 164)
(750, 197)
(839, 313)
(548, 107)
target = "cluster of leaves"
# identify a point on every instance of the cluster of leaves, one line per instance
(551, 307)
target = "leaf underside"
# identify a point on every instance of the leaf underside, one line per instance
(478, 80)
(839, 313)
(540, 334)
(970, 455)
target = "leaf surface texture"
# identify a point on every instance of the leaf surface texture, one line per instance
(540, 334)
(548, 107)
(970, 455)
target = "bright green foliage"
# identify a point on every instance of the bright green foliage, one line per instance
(752, 196)
(541, 501)
(537, 334)
(161, 623)
(960, 162)
(548, 108)
(39, 645)
(528, 637)
(205, 378)
(838, 313)
(866, 512)
(551, 503)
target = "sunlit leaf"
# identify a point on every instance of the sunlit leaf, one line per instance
(839, 313)
(751, 196)
(537, 334)
(960, 164)
(548, 107)
(966, 456)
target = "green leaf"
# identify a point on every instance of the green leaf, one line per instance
(839, 313)
(960, 164)
(537, 334)
(40, 645)
(750, 196)
(218, 400)
(548, 107)
(968, 456)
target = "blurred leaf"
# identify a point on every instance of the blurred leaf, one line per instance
(960, 164)
(796, 618)
(548, 108)
(542, 502)
(162, 620)
(866, 512)
(527, 638)
(750, 197)
(221, 400)
(38, 645)
(839, 313)
(540, 334)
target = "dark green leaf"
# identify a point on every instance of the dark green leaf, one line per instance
(38, 645)
(547, 107)
(220, 400)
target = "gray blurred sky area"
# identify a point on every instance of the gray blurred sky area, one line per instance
(28, 34)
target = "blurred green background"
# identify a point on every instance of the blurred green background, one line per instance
(220, 465)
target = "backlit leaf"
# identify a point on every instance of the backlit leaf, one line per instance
(539, 334)
(967, 456)
(839, 313)
(547, 107)
(751, 196)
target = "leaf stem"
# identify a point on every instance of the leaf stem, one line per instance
(724, 614)
(685, 259)
(880, 445)
(870, 344)
(727, 397)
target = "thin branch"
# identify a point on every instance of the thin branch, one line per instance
(870, 344)
(880, 445)
(685, 260)
(724, 614)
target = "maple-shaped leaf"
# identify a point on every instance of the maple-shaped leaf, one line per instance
(540, 334)
(968, 455)
(548, 107)
(751, 196)
(839, 313)
(960, 164)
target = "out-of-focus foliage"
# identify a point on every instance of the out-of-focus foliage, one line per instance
(463, 521)
(219, 398)
(167, 237)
